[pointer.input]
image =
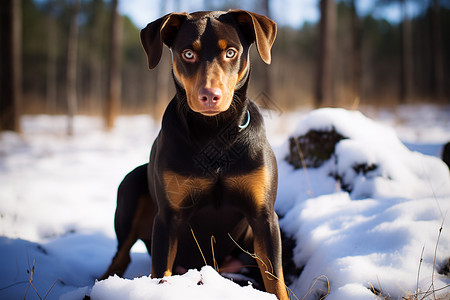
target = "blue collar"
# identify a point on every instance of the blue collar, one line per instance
(242, 127)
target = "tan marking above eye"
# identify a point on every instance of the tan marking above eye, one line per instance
(222, 44)
(197, 45)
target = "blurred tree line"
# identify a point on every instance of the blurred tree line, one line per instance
(82, 57)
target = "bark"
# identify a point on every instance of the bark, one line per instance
(10, 64)
(357, 55)
(406, 77)
(437, 61)
(72, 49)
(327, 29)
(51, 85)
(114, 74)
(96, 87)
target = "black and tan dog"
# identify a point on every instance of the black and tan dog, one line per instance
(212, 177)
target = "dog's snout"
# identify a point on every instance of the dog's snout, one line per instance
(210, 95)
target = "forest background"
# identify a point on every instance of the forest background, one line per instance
(84, 57)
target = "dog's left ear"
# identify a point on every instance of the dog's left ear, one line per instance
(257, 28)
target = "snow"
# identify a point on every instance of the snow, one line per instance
(203, 284)
(354, 228)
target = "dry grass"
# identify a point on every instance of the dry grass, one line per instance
(418, 294)
(30, 272)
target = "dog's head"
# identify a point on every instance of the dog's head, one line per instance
(210, 52)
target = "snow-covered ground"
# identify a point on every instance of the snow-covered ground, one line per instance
(369, 230)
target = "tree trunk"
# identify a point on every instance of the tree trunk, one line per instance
(72, 49)
(356, 55)
(114, 75)
(51, 85)
(437, 62)
(406, 78)
(327, 29)
(10, 64)
(96, 87)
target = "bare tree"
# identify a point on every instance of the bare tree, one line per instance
(356, 54)
(327, 30)
(437, 61)
(72, 51)
(114, 75)
(10, 64)
(95, 86)
(51, 76)
(406, 77)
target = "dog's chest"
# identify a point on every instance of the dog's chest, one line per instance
(190, 191)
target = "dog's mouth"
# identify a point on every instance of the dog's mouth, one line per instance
(210, 113)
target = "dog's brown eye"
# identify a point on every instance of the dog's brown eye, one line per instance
(189, 55)
(230, 53)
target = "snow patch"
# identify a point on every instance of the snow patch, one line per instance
(57, 201)
(373, 234)
(203, 284)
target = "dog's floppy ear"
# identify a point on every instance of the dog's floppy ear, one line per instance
(257, 28)
(159, 32)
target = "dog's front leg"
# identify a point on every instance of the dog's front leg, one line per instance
(267, 247)
(164, 247)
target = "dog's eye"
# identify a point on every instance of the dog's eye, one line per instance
(189, 55)
(230, 53)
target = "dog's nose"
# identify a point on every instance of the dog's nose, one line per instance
(210, 95)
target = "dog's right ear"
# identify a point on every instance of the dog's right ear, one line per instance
(159, 32)
(259, 29)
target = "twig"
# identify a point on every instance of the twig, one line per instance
(216, 266)
(198, 245)
(418, 271)
(13, 284)
(434, 259)
(374, 291)
(30, 278)
(406, 293)
(255, 256)
(314, 283)
(51, 288)
(379, 284)
(427, 293)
